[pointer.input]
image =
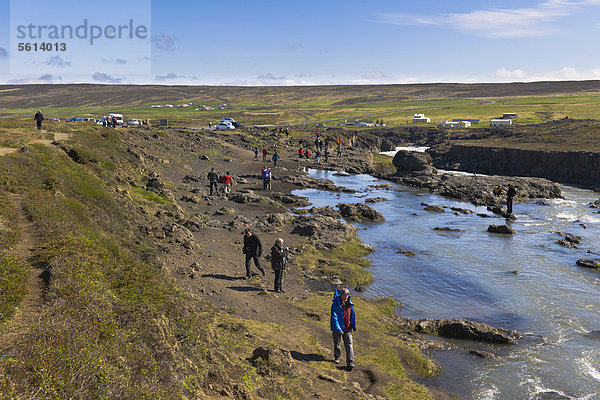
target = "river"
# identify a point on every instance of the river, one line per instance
(470, 274)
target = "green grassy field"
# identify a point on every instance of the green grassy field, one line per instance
(396, 104)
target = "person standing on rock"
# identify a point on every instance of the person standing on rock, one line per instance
(39, 117)
(343, 322)
(227, 183)
(213, 177)
(253, 250)
(510, 194)
(278, 253)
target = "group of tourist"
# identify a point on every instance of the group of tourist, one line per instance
(265, 153)
(342, 315)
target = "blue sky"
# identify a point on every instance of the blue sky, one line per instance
(342, 42)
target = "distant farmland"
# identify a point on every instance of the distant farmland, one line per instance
(395, 104)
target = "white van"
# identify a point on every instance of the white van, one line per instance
(119, 118)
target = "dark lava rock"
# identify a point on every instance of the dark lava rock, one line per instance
(375, 199)
(503, 229)
(595, 204)
(327, 211)
(447, 229)
(433, 208)
(360, 212)
(461, 210)
(271, 361)
(463, 329)
(408, 253)
(324, 232)
(411, 161)
(482, 354)
(589, 263)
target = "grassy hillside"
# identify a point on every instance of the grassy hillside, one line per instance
(111, 321)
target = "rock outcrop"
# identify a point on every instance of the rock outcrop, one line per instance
(324, 232)
(360, 212)
(502, 229)
(462, 329)
(578, 167)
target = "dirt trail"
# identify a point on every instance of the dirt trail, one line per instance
(46, 142)
(29, 309)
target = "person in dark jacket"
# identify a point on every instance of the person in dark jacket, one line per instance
(510, 194)
(39, 117)
(343, 322)
(213, 177)
(253, 250)
(278, 253)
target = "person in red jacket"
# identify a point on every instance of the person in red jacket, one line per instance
(227, 183)
(264, 155)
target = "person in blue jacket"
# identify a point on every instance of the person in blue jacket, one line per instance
(343, 322)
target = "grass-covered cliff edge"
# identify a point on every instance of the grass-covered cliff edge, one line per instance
(120, 278)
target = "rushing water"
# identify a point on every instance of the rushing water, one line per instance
(468, 275)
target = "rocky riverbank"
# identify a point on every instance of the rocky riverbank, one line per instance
(417, 170)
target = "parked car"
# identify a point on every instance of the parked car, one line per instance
(76, 119)
(119, 118)
(133, 122)
(224, 125)
(54, 119)
(319, 125)
(232, 121)
(89, 120)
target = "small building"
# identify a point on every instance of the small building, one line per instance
(472, 121)
(509, 115)
(421, 118)
(501, 122)
(457, 124)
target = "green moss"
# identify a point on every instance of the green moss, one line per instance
(144, 194)
(13, 285)
(346, 261)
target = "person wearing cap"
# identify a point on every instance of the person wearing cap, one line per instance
(278, 260)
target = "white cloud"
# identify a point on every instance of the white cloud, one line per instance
(270, 77)
(57, 61)
(30, 81)
(102, 77)
(499, 22)
(172, 76)
(563, 74)
(164, 42)
(504, 73)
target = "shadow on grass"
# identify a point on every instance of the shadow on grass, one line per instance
(306, 357)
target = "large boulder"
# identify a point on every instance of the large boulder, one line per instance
(502, 229)
(407, 162)
(463, 329)
(589, 263)
(325, 232)
(360, 212)
(272, 361)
